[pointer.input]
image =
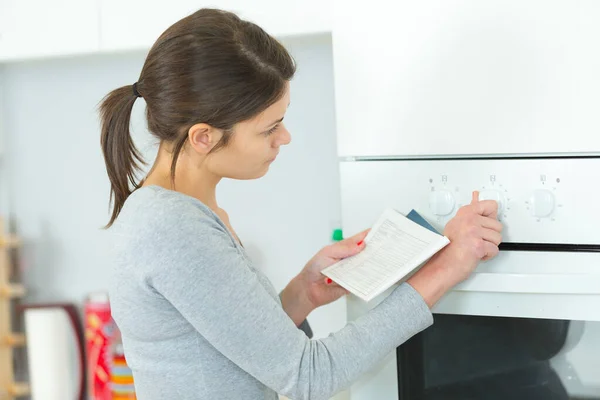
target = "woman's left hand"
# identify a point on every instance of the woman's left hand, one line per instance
(310, 288)
(321, 290)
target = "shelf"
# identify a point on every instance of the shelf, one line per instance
(18, 389)
(9, 242)
(12, 291)
(13, 340)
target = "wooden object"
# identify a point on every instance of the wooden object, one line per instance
(9, 389)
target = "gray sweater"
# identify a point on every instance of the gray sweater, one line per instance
(199, 321)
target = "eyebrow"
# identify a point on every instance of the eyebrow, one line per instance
(279, 120)
(275, 122)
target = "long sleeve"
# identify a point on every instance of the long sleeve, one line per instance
(195, 265)
(305, 327)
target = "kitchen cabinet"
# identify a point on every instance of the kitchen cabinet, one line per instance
(37, 29)
(468, 77)
(34, 29)
(135, 24)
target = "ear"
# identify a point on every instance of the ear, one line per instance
(203, 137)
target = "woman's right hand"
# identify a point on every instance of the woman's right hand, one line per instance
(474, 234)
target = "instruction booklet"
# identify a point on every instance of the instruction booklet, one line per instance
(396, 246)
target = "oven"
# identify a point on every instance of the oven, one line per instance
(435, 99)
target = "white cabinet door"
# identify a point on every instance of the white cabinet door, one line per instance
(136, 24)
(35, 28)
(286, 17)
(456, 77)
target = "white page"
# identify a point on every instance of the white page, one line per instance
(395, 246)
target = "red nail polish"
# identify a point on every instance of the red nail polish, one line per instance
(328, 281)
(359, 243)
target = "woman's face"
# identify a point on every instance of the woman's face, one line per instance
(254, 144)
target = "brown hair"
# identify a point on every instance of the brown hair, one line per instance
(210, 67)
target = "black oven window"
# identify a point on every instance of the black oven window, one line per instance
(484, 358)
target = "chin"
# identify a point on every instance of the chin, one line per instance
(261, 174)
(250, 176)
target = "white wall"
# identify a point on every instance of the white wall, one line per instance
(1, 111)
(3, 173)
(60, 190)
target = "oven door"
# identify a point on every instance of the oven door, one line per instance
(498, 358)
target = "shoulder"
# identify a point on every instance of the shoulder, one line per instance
(165, 239)
(156, 219)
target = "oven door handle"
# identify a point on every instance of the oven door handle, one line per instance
(578, 283)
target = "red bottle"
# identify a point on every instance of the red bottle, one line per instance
(109, 378)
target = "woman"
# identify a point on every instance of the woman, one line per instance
(198, 320)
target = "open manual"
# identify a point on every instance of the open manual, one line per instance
(395, 247)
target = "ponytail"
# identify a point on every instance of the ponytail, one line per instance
(121, 157)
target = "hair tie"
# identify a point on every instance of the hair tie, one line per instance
(135, 91)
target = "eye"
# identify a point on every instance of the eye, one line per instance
(272, 130)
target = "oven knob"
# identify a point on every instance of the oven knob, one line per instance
(441, 202)
(541, 203)
(491, 194)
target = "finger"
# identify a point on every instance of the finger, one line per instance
(487, 208)
(335, 285)
(348, 247)
(475, 197)
(359, 236)
(490, 223)
(339, 291)
(491, 236)
(491, 250)
(345, 248)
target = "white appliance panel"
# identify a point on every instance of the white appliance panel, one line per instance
(541, 200)
(456, 77)
(562, 285)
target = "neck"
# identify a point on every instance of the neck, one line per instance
(191, 177)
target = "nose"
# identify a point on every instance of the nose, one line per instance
(284, 137)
